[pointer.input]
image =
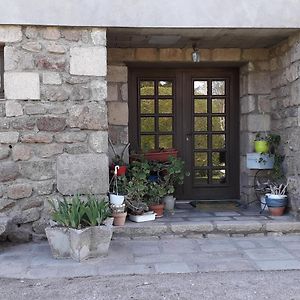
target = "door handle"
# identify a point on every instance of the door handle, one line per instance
(188, 137)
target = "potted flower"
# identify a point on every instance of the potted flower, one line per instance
(119, 214)
(161, 155)
(276, 200)
(117, 188)
(261, 143)
(156, 191)
(81, 230)
(174, 175)
(118, 159)
(137, 187)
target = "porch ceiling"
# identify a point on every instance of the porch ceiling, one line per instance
(205, 38)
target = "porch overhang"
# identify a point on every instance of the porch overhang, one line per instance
(153, 13)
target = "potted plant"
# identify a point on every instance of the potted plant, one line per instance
(174, 175)
(137, 187)
(117, 188)
(276, 200)
(156, 191)
(118, 160)
(119, 214)
(261, 143)
(161, 155)
(81, 230)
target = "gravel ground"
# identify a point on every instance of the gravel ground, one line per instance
(222, 285)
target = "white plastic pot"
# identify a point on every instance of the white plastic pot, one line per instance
(116, 199)
(169, 202)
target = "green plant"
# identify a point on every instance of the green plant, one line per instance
(174, 174)
(260, 137)
(136, 187)
(156, 190)
(118, 158)
(76, 213)
(118, 185)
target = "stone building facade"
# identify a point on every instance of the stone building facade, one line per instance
(66, 92)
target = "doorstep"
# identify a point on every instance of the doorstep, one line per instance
(188, 221)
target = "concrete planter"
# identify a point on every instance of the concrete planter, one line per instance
(80, 244)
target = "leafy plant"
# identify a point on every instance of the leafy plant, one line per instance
(76, 213)
(118, 185)
(155, 192)
(118, 158)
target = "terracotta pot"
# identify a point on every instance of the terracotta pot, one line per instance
(276, 211)
(119, 218)
(158, 209)
(161, 156)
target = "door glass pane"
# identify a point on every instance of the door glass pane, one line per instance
(165, 124)
(219, 159)
(165, 141)
(146, 88)
(200, 124)
(200, 106)
(147, 142)
(218, 106)
(219, 176)
(165, 88)
(147, 124)
(147, 106)
(218, 123)
(201, 177)
(200, 141)
(200, 159)
(218, 87)
(200, 87)
(165, 106)
(218, 141)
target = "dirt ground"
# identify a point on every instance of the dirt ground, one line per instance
(222, 285)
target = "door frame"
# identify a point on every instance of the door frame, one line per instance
(176, 71)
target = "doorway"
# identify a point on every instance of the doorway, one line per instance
(195, 111)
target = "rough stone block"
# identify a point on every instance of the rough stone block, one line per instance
(8, 171)
(264, 104)
(39, 137)
(230, 54)
(49, 150)
(258, 123)
(22, 85)
(88, 61)
(51, 33)
(98, 36)
(4, 152)
(255, 54)
(71, 34)
(247, 104)
(37, 170)
(70, 137)
(112, 92)
(51, 78)
(118, 113)
(9, 137)
(19, 191)
(98, 141)
(124, 92)
(98, 90)
(82, 173)
(34, 109)
(28, 215)
(259, 83)
(10, 34)
(238, 226)
(89, 116)
(21, 152)
(32, 46)
(51, 124)
(53, 62)
(283, 226)
(56, 48)
(43, 187)
(13, 109)
(117, 74)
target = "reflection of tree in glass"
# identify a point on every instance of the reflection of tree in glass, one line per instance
(218, 87)
(147, 142)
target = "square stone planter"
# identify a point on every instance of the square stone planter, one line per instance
(80, 244)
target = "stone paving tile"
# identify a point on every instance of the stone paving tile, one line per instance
(254, 218)
(291, 245)
(182, 246)
(227, 214)
(116, 269)
(269, 265)
(172, 268)
(226, 265)
(245, 244)
(218, 248)
(158, 258)
(269, 254)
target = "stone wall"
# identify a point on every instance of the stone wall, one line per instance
(53, 121)
(285, 101)
(254, 92)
